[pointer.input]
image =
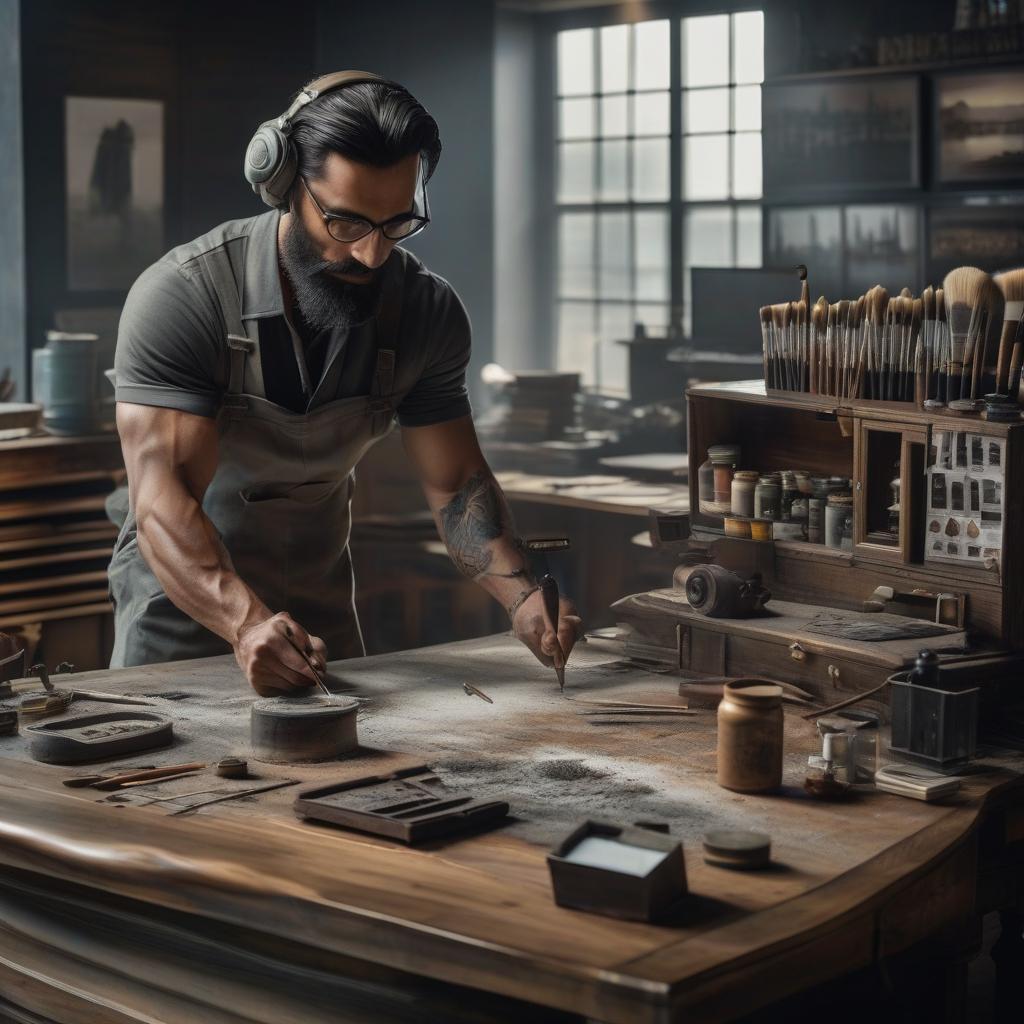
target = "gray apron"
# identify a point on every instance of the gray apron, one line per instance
(280, 497)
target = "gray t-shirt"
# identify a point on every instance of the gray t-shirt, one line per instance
(171, 348)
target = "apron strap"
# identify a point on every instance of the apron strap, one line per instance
(242, 345)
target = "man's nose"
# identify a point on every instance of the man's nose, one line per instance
(373, 249)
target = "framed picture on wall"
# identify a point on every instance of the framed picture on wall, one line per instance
(990, 237)
(882, 246)
(832, 138)
(980, 128)
(114, 174)
(811, 235)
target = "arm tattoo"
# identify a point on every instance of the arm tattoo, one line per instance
(472, 519)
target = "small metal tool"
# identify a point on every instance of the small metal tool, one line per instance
(474, 692)
(305, 657)
(549, 591)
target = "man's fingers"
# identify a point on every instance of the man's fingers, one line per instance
(568, 632)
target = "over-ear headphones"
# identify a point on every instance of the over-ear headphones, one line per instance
(270, 158)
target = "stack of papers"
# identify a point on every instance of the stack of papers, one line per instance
(915, 782)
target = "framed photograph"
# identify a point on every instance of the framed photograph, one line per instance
(114, 157)
(990, 237)
(834, 138)
(980, 128)
(812, 235)
(882, 246)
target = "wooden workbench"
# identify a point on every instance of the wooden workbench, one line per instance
(240, 912)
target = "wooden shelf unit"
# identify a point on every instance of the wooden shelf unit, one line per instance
(830, 436)
(56, 543)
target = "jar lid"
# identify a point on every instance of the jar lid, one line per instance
(754, 691)
(746, 474)
(840, 500)
(769, 481)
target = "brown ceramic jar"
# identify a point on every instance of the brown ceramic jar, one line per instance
(750, 736)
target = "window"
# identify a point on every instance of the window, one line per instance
(630, 107)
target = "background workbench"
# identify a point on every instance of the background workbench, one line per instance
(272, 919)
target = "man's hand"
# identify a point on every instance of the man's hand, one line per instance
(528, 625)
(270, 661)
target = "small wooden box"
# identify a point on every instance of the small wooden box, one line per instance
(642, 895)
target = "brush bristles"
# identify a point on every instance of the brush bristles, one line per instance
(940, 305)
(928, 303)
(1011, 284)
(878, 302)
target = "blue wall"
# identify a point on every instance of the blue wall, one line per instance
(442, 52)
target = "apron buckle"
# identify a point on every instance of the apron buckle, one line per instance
(241, 343)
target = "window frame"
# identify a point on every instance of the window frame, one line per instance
(676, 205)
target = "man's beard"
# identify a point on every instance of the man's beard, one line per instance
(324, 302)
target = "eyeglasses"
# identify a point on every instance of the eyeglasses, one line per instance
(345, 228)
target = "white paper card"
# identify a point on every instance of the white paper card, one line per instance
(610, 854)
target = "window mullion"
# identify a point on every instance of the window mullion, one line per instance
(676, 237)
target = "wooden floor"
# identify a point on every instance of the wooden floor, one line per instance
(242, 912)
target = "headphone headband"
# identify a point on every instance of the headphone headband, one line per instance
(325, 83)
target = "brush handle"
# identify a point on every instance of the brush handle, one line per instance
(1005, 348)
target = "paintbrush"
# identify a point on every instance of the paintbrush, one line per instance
(916, 388)
(942, 345)
(928, 336)
(1011, 284)
(766, 357)
(965, 288)
(877, 303)
(549, 591)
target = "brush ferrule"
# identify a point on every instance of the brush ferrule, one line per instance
(1014, 310)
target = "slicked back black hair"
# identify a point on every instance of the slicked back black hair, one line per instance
(375, 123)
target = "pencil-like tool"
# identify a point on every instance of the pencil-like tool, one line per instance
(305, 657)
(475, 692)
(549, 591)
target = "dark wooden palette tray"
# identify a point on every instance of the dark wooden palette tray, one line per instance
(81, 738)
(411, 805)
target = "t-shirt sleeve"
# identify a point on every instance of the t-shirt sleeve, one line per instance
(440, 394)
(169, 346)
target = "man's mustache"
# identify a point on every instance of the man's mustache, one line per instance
(348, 266)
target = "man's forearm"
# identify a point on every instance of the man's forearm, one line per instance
(476, 525)
(182, 547)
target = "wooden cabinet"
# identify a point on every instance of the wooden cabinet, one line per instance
(55, 545)
(961, 492)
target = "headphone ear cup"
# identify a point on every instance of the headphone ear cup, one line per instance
(270, 164)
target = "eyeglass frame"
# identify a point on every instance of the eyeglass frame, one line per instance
(327, 217)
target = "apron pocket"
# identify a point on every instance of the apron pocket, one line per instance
(305, 494)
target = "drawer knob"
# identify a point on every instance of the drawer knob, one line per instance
(796, 652)
(833, 674)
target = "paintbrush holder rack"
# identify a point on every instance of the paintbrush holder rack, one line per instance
(909, 469)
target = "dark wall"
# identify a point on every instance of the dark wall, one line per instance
(219, 68)
(443, 52)
(12, 272)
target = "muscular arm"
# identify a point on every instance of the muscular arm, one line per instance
(474, 521)
(171, 457)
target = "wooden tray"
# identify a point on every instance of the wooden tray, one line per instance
(80, 738)
(411, 805)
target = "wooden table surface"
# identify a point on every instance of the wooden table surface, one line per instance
(241, 912)
(599, 492)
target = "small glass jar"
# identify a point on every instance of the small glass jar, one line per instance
(750, 734)
(790, 494)
(839, 522)
(767, 497)
(706, 486)
(816, 510)
(744, 483)
(723, 458)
